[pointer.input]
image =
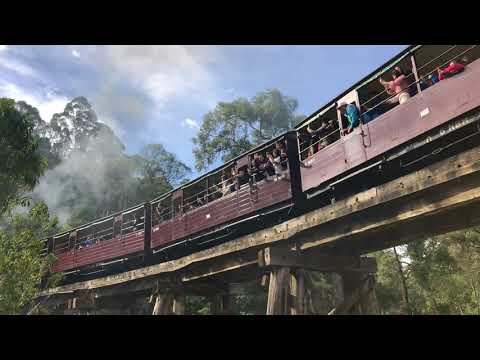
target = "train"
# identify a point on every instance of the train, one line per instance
(437, 121)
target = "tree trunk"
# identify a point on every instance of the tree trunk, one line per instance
(404, 282)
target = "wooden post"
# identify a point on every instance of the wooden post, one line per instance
(297, 293)
(277, 291)
(220, 304)
(351, 283)
(179, 304)
(359, 294)
(163, 304)
(147, 227)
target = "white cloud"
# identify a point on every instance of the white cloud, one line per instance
(75, 53)
(47, 103)
(3, 47)
(192, 124)
(18, 67)
(163, 72)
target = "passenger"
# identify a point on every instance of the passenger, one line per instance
(233, 186)
(277, 162)
(398, 86)
(324, 132)
(280, 145)
(89, 241)
(314, 136)
(269, 165)
(283, 159)
(258, 167)
(454, 68)
(424, 82)
(224, 187)
(242, 177)
(160, 210)
(350, 111)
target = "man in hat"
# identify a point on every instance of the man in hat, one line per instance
(350, 111)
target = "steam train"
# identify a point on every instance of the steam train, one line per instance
(436, 122)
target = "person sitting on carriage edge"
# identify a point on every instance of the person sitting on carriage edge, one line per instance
(350, 111)
(398, 87)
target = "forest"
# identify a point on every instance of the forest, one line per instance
(58, 173)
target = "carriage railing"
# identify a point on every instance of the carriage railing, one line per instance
(191, 202)
(312, 146)
(302, 157)
(420, 79)
(434, 59)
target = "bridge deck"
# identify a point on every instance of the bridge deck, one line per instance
(441, 197)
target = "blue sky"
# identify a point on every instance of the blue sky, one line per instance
(158, 94)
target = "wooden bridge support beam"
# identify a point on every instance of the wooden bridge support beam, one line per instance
(359, 295)
(163, 304)
(220, 304)
(279, 291)
(179, 304)
(291, 288)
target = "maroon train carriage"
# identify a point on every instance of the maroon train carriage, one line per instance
(199, 211)
(103, 242)
(334, 156)
(209, 205)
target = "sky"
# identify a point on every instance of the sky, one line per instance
(159, 94)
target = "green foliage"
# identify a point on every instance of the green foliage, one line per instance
(442, 273)
(233, 128)
(20, 162)
(197, 305)
(21, 263)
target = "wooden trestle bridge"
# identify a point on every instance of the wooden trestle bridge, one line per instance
(442, 197)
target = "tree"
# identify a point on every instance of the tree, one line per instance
(233, 128)
(40, 130)
(21, 262)
(21, 164)
(158, 162)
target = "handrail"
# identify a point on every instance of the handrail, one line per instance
(323, 138)
(415, 82)
(374, 97)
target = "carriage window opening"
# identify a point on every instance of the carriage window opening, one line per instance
(117, 226)
(82, 236)
(132, 221)
(269, 163)
(432, 62)
(319, 134)
(104, 230)
(177, 206)
(162, 211)
(221, 183)
(61, 244)
(195, 195)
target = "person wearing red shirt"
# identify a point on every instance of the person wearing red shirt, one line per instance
(453, 68)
